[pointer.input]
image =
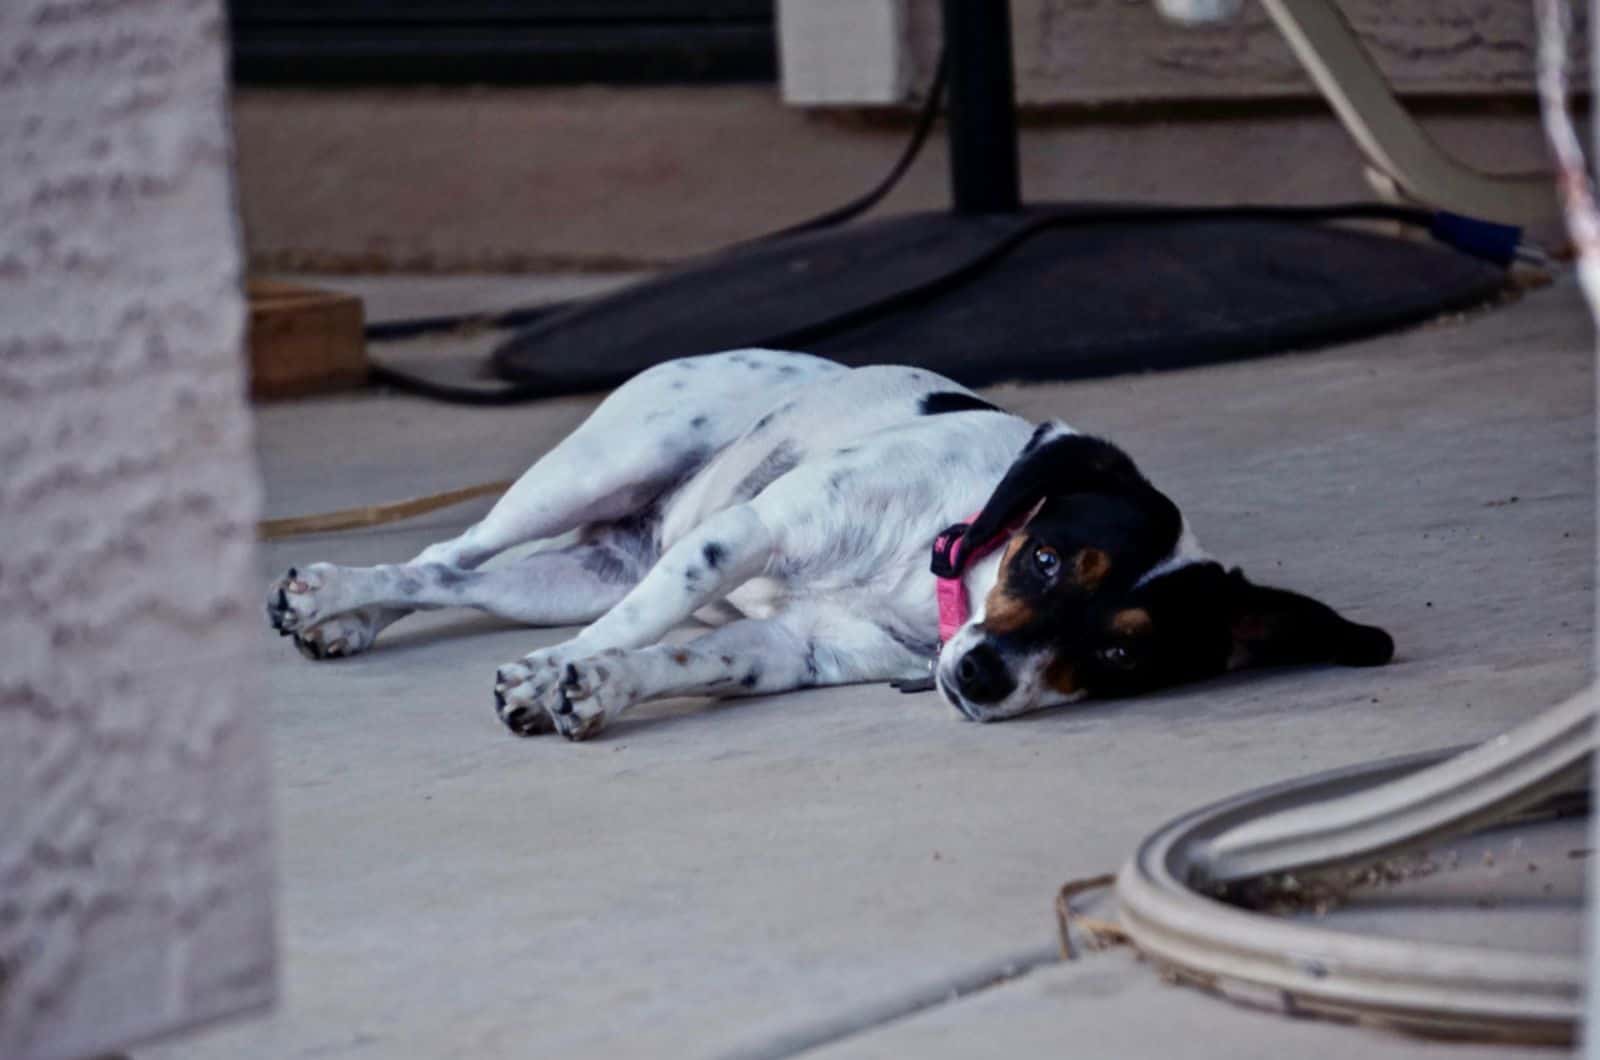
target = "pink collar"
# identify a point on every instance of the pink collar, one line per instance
(952, 556)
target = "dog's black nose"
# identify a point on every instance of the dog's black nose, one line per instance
(982, 677)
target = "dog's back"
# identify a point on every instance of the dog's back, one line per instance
(839, 423)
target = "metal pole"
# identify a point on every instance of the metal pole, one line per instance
(982, 118)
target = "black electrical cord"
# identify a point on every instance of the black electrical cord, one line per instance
(389, 330)
(851, 210)
(515, 393)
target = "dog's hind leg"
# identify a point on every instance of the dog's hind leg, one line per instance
(328, 609)
(650, 434)
(646, 437)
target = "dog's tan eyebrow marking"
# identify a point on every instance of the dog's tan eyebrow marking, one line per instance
(1132, 622)
(1090, 567)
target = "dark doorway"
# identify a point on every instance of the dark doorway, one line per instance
(502, 41)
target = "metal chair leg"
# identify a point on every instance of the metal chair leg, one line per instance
(1394, 144)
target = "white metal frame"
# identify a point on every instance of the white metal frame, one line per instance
(1354, 818)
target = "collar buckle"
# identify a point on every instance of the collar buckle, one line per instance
(948, 556)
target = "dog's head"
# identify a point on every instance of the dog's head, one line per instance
(1102, 592)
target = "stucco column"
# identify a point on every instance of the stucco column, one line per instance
(135, 889)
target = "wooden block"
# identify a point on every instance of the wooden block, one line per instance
(304, 340)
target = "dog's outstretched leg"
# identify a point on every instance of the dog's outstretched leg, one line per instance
(554, 588)
(799, 649)
(650, 434)
(748, 657)
(712, 560)
(581, 482)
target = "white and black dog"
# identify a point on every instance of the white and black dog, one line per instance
(811, 513)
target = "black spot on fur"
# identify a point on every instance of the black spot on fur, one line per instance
(766, 421)
(750, 679)
(607, 566)
(684, 464)
(788, 369)
(776, 464)
(714, 554)
(633, 540)
(949, 401)
(450, 577)
(409, 586)
(699, 422)
(810, 676)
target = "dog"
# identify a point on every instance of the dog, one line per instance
(834, 525)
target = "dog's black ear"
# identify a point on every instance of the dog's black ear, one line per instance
(1055, 462)
(1276, 627)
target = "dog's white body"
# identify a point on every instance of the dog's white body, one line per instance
(792, 503)
(786, 497)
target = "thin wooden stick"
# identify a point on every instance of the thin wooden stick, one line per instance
(374, 514)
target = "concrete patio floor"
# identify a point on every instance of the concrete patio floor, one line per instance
(762, 877)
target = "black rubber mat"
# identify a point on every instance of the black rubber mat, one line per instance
(1051, 293)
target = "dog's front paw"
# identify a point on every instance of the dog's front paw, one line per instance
(591, 690)
(557, 690)
(525, 692)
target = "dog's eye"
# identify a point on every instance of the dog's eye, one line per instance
(1118, 656)
(1046, 561)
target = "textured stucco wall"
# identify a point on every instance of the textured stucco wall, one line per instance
(1464, 48)
(1092, 52)
(135, 892)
